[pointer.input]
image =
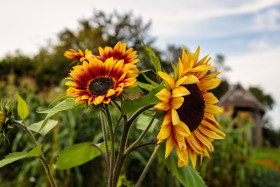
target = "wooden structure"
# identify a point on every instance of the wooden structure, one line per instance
(240, 102)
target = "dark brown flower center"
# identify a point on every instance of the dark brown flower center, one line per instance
(101, 85)
(192, 110)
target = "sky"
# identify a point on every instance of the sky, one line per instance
(246, 32)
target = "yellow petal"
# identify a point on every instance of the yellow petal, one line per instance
(176, 102)
(164, 132)
(98, 100)
(110, 92)
(180, 81)
(167, 118)
(209, 133)
(193, 157)
(202, 68)
(164, 95)
(175, 117)
(180, 91)
(170, 143)
(183, 129)
(192, 79)
(209, 98)
(213, 109)
(209, 84)
(167, 78)
(162, 106)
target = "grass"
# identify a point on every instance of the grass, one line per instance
(266, 153)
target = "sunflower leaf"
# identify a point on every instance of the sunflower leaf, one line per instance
(145, 86)
(153, 57)
(147, 100)
(66, 104)
(188, 176)
(50, 124)
(78, 154)
(12, 157)
(150, 81)
(22, 108)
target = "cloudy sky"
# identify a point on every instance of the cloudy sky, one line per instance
(246, 32)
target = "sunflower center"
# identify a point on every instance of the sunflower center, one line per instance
(192, 110)
(101, 85)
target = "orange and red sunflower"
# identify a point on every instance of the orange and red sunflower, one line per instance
(97, 82)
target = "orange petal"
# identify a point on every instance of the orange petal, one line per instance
(162, 106)
(209, 98)
(164, 95)
(213, 109)
(176, 102)
(192, 79)
(175, 117)
(170, 143)
(167, 78)
(164, 132)
(180, 91)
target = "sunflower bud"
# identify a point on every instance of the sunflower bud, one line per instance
(6, 117)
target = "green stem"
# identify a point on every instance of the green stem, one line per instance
(140, 137)
(121, 156)
(112, 140)
(105, 140)
(147, 167)
(42, 158)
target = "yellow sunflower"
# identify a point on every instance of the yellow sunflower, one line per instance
(120, 53)
(194, 108)
(96, 81)
(78, 55)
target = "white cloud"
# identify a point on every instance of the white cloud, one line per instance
(268, 20)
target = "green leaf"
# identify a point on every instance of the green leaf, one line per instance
(12, 157)
(66, 104)
(153, 57)
(143, 121)
(188, 176)
(145, 86)
(50, 124)
(132, 90)
(76, 155)
(59, 98)
(147, 100)
(150, 81)
(22, 108)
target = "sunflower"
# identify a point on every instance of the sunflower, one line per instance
(194, 109)
(120, 53)
(97, 82)
(78, 55)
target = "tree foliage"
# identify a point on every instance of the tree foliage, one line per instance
(265, 99)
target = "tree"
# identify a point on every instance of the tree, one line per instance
(265, 99)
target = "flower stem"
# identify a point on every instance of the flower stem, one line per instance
(140, 137)
(105, 140)
(42, 158)
(112, 140)
(121, 156)
(147, 167)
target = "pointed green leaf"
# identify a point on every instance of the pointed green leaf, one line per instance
(12, 157)
(132, 90)
(66, 104)
(22, 108)
(76, 155)
(50, 124)
(59, 98)
(147, 100)
(153, 57)
(145, 86)
(150, 81)
(188, 176)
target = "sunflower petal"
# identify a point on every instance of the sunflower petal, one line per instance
(164, 95)
(180, 91)
(167, 78)
(162, 106)
(170, 143)
(175, 117)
